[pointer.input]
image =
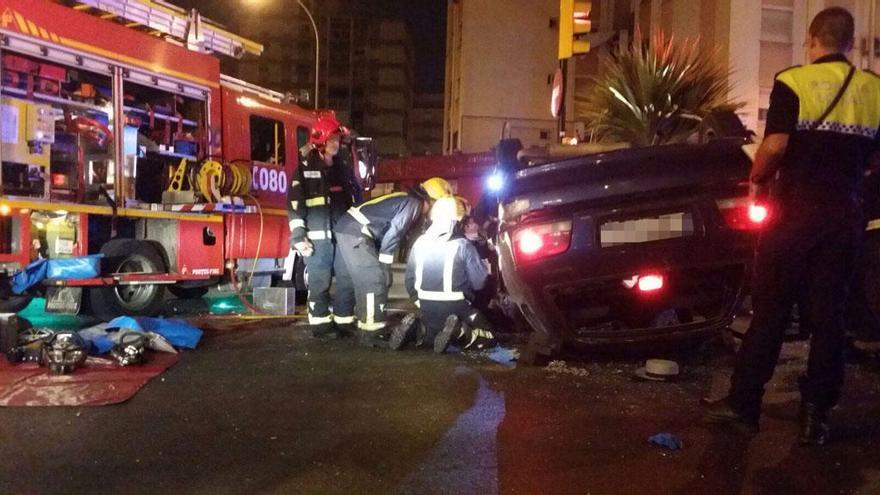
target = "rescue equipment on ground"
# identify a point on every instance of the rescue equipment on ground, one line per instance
(130, 349)
(64, 352)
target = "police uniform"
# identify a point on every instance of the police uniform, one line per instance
(443, 274)
(815, 228)
(317, 197)
(367, 238)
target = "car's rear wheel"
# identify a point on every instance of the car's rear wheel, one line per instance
(129, 256)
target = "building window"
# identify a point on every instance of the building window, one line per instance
(777, 50)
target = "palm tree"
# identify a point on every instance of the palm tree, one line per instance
(654, 93)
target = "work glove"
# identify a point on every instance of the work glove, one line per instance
(389, 277)
(304, 248)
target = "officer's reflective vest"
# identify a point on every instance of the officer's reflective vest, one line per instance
(816, 85)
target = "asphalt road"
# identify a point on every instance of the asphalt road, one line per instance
(263, 408)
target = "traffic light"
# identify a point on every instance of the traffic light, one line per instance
(574, 24)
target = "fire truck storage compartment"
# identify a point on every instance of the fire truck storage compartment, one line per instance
(56, 130)
(191, 247)
(161, 129)
(58, 140)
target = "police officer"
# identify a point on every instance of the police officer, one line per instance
(443, 274)
(367, 238)
(822, 126)
(319, 194)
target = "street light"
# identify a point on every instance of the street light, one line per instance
(317, 48)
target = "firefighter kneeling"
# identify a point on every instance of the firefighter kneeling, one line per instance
(443, 273)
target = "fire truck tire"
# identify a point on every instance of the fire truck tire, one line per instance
(188, 292)
(128, 255)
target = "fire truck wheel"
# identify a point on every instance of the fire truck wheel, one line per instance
(127, 255)
(187, 292)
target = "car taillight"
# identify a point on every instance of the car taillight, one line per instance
(540, 241)
(742, 213)
(650, 283)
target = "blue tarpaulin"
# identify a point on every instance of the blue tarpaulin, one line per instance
(32, 274)
(178, 333)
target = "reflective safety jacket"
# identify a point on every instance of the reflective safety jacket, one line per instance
(442, 267)
(386, 219)
(824, 159)
(318, 195)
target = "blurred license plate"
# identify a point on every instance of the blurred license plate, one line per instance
(649, 229)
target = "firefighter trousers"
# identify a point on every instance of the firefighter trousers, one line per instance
(321, 267)
(476, 328)
(361, 259)
(806, 256)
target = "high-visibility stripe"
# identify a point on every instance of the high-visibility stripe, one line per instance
(343, 320)
(361, 219)
(418, 304)
(294, 204)
(319, 235)
(371, 327)
(296, 223)
(371, 308)
(431, 295)
(319, 320)
(319, 201)
(386, 258)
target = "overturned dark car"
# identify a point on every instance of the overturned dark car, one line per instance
(636, 246)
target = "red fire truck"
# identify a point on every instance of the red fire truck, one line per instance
(120, 137)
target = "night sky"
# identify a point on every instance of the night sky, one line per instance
(426, 18)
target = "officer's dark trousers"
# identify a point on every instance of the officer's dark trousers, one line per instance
(361, 259)
(808, 250)
(321, 266)
(434, 314)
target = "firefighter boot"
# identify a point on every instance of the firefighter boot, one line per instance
(814, 425)
(324, 331)
(372, 339)
(345, 330)
(451, 330)
(403, 332)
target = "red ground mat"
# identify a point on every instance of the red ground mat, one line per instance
(98, 383)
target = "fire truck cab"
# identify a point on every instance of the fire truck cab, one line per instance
(121, 140)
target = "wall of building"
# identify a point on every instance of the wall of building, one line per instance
(426, 124)
(501, 56)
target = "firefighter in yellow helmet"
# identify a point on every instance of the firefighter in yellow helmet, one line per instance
(367, 238)
(443, 274)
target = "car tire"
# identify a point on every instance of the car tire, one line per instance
(128, 255)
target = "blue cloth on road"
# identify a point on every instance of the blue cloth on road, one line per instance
(668, 440)
(503, 355)
(178, 333)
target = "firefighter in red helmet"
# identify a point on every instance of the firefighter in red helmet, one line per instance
(321, 191)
